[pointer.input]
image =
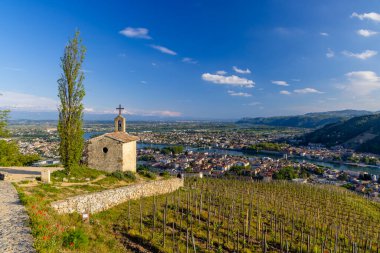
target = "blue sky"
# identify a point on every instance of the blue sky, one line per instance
(195, 59)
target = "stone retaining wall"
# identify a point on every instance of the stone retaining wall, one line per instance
(100, 201)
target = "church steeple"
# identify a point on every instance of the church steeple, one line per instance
(119, 121)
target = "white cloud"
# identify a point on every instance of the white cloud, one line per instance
(17, 101)
(363, 55)
(160, 113)
(280, 83)
(28, 102)
(139, 112)
(189, 60)
(141, 33)
(362, 82)
(324, 34)
(330, 53)
(238, 94)
(13, 69)
(89, 109)
(306, 91)
(254, 103)
(366, 33)
(163, 50)
(228, 80)
(241, 71)
(370, 16)
(221, 72)
(285, 92)
(164, 113)
(288, 31)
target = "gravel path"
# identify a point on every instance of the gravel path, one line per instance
(15, 235)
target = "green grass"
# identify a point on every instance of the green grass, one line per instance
(64, 233)
(109, 180)
(68, 233)
(79, 174)
(75, 239)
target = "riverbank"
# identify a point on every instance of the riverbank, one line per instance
(311, 159)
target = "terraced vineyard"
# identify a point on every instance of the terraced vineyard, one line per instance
(220, 215)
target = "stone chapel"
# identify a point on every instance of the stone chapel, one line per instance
(114, 151)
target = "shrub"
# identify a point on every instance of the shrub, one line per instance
(75, 239)
(23, 198)
(165, 174)
(142, 167)
(147, 174)
(118, 174)
(130, 175)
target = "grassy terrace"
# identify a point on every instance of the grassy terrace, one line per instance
(68, 233)
(209, 215)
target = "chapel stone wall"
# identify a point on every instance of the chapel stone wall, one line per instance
(105, 154)
(129, 156)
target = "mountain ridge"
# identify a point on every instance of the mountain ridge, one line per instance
(360, 133)
(308, 120)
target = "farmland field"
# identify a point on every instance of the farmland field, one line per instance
(224, 215)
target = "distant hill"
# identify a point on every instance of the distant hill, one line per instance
(360, 133)
(309, 120)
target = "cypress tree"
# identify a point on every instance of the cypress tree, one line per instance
(71, 92)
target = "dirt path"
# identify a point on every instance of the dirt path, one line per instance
(15, 235)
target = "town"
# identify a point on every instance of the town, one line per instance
(259, 168)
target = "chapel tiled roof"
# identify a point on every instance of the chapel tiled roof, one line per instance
(122, 136)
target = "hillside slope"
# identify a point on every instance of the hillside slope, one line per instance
(360, 133)
(309, 120)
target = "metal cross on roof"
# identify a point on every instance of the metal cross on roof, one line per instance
(120, 109)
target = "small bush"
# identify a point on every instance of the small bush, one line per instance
(165, 174)
(118, 174)
(147, 174)
(142, 167)
(130, 175)
(75, 239)
(23, 198)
